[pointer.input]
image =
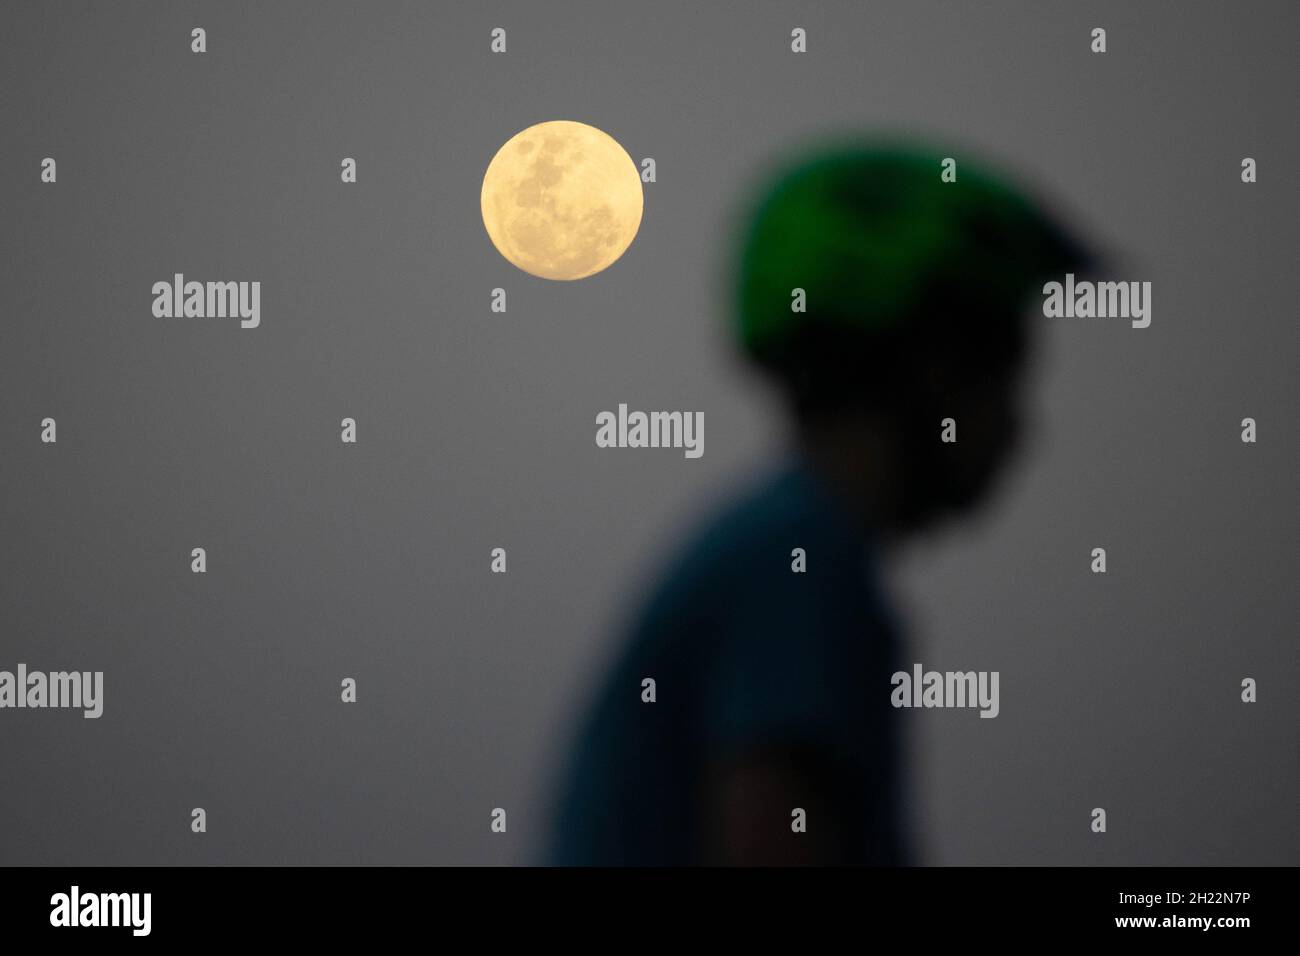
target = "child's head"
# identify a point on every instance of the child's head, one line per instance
(874, 287)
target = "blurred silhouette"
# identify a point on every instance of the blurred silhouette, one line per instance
(773, 685)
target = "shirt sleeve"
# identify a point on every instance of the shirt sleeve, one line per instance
(774, 674)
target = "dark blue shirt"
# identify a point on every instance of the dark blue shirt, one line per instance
(746, 654)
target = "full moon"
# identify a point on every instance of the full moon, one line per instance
(562, 200)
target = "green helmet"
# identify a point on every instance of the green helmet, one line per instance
(880, 243)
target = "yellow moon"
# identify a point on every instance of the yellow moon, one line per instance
(562, 200)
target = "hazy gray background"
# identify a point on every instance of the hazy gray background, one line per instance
(477, 429)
